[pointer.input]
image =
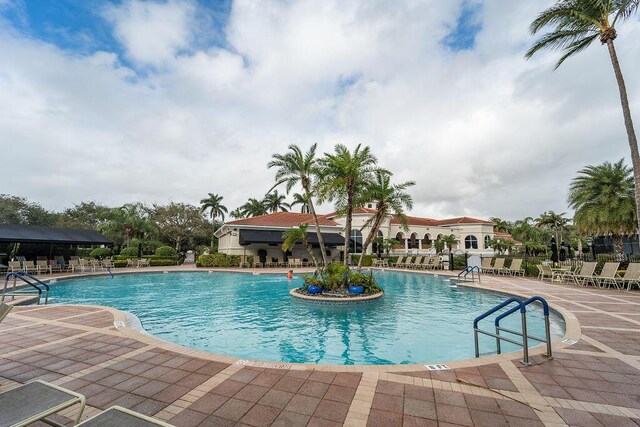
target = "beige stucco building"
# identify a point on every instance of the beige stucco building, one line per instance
(248, 236)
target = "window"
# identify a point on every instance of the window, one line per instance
(376, 246)
(487, 239)
(356, 241)
(470, 242)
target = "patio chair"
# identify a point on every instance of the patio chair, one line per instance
(35, 401)
(515, 268)
(416, 263)
(425, 263)
(4, 310)
(54, 266)
(585, 275)
(607, 275)
(132, 262)
(544, 272)
(144, 262)
(96, 265)
(14, 266)
(498, 265)
(43, 267)
(486, 264)
(119, 416)
(407, 262)
(436, 263)
(399, 262)
(631, 277)
(29, 267)
(74, 264)
(107, 264)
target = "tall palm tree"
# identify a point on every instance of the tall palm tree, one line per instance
(254, 207)
(237, 213)
(603, 198)
(576, 24)
(127, 222)
(300, 199)
(292, 235)
(343, 178)
(449, 241)
(501, 225)
(298, 168)
(276, 202)
(554, 221)
(389, 199)
(213, 204)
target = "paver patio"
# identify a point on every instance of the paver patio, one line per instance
(593, 382)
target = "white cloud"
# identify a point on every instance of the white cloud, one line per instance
(483, 132)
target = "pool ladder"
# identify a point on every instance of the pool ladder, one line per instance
(521, 305)
(472, 269)
(31, 281)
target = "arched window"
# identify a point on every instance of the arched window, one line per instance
(427, 242)
(471, 242)
(400, 238)
(413, 241)
(487, 239)
(356, 241)
(376, 246)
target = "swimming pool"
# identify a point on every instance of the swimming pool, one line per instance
(421, 318)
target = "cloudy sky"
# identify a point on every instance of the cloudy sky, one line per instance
(123, 101)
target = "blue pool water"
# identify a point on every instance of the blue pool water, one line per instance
(421, 318)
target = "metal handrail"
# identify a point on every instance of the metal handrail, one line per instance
(497, 336)
(470, 269)
(19, 275)
(547, 325)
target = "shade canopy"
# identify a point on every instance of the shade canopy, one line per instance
(275, 237)
(14, 233)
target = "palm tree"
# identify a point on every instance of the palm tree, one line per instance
(300, 199)
(555, 222)
(254, 207)
(212, 203)
(292, 235)
(127, 222)
(501, 225)
(449, 241)
(603, 198)
(237, 213)
(389, 199)
(576, 24)
(296, 167)
(274, 202)
(343, 178)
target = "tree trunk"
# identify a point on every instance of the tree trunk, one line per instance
(374, 231)
(323, 252)
(347, 226)
(628, 123)
(617, 244)
(310, 250)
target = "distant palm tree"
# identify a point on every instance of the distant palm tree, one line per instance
(275, 202)
(300, 199)
(555, 222)
(292, 235)
(213, 204)
(389, 200)
(237, 213)
(127, 222)
(603, 198)
(296, 167)
(254, 207)
(576, 24)
(501, 225)
(343, 178)
(449, 241)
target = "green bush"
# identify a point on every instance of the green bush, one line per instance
(118, 263)
(336, 275)
(83, 253)
(218, 260)
(459, 262)
(100, 253)
(366, 262)
(156, 261)
(129, 252)
(148, 246)
(166, 252)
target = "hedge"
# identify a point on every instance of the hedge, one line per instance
(166, 252)
(218, 260)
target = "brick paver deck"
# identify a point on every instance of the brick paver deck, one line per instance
(594, 382)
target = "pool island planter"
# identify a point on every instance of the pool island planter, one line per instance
(335, 299)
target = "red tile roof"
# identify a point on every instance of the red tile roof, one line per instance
(283, 219)
(463, 220)
(430, 222)
(414, 220)
(355, 211)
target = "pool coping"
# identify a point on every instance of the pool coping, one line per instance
(572, 334)
(335, 300)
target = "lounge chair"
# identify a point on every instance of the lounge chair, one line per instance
(486, 265)
(399, 262)
(35, 401)
(436, 263)
(95, 264)
(29, 267)
(515, 268)
(544, 272)
(84, 265)
(14, 266)
(498, 265)
(607, 275)
(585, 275)
(416, 263)
(425, 263)
(119, 416)
(631, 277)
(4, 310)
(407, 262)
(43, 267)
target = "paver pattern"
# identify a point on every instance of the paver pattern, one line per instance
(594, 382)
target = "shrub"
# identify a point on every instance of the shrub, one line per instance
(157, 261)
(118, 263)
(148, 246)
(83, 253)
(166, 252)
(218, 260)
(100, 253)
(129, 252)
(459, 262)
